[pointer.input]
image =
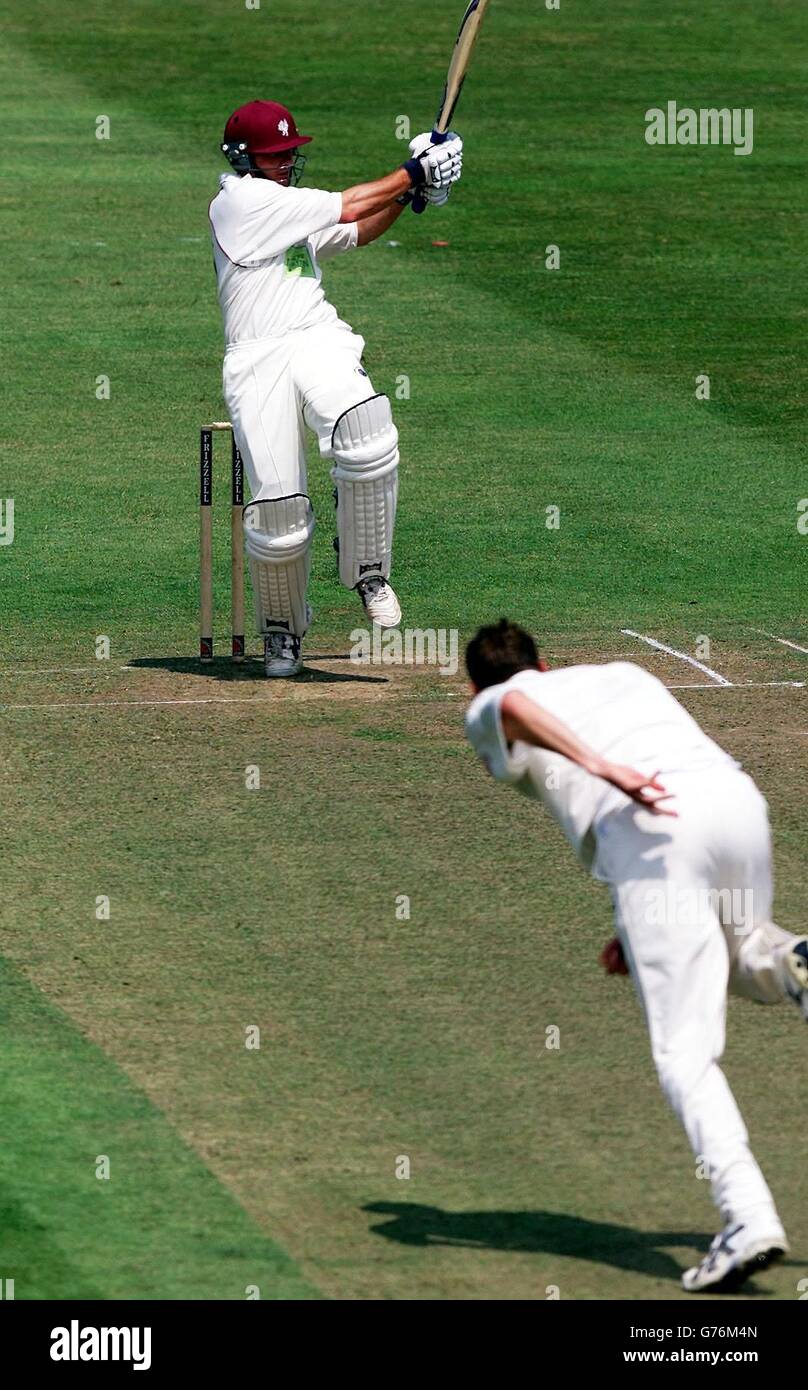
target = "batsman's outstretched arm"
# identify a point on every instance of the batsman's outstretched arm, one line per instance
(368, 198)
(369, 228)
(438, 166)
(526, 722)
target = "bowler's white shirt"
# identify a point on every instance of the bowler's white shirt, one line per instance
(620, 711)
(268, 286)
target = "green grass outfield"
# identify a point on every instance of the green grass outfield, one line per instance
(275, 907)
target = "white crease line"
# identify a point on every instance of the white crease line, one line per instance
(705, 685)
(13, 672)
(107, 704)
(103, 668)
(683, 656)
(795, 646)
(742, 685)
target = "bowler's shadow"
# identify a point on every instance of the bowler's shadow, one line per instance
(537, 1232)
(251, 669)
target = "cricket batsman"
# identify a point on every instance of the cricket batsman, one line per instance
(607, 749)
(291, 364)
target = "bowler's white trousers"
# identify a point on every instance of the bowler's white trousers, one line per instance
(275, 387)
(686, 937)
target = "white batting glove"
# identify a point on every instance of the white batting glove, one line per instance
(442, 163)
(445, 162)
(420, 144)
(436, 197)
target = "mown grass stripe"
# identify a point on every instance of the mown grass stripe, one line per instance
(160, 1227)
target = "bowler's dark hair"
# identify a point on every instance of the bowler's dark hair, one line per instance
(498, 651)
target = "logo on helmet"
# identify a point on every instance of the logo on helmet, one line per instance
(283, 127)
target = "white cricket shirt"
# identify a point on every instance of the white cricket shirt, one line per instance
(267, 244)
(620, 711)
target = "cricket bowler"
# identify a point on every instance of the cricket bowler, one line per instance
(291, 364)
(659, 812)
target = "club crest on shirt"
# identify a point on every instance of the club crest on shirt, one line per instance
(299, 261)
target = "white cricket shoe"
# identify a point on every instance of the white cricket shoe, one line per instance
(795, 968)
(381, 604)
(734, 1255)
(282, 654)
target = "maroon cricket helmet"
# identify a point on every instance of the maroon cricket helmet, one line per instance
(264, 127)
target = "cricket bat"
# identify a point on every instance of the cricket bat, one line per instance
(458, 67)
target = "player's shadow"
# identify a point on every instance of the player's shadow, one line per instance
(537, 1232)
(223, 669)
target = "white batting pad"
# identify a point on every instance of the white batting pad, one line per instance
(277, 538)
(364, 447)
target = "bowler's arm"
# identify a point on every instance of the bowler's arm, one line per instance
(524, 721)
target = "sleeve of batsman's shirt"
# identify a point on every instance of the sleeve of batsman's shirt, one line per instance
(485, 734)
(256, 219)
(343, 237)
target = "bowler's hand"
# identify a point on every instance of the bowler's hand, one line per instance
(646, 791)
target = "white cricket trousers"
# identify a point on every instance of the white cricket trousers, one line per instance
(693, 901)
(276, 387)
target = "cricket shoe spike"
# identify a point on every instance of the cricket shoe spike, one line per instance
(733, 1257)
(282, 654)
(381, 604)
(795, 963)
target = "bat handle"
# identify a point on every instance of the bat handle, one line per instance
(439, 137)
